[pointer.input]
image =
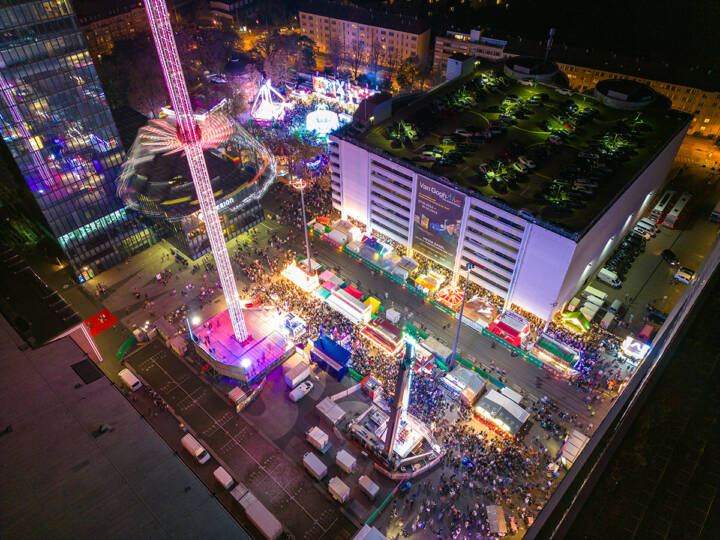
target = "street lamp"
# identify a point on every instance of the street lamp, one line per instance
(547, 321)
(469, 266)
(299, 184)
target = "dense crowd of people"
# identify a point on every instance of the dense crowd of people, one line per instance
(478, 467)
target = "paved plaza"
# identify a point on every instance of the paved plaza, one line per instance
(281, 484)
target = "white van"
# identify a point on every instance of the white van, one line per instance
(616, 306)
(300, 391)
(642, 232)
(609, 277)
(191, 444)
(649, 228)
(649, 223)
(607, 320)
(130, 380)
(223, 477)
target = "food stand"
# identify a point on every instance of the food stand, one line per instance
(511, 327)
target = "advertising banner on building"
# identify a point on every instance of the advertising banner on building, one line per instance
(438, 213)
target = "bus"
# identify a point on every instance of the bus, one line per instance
(715, 214)
(678, 213)
(662, 207)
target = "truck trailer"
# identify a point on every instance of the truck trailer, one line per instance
(261, 517)
(314, 466)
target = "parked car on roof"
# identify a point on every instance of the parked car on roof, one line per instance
(684, 275)
(669, 257)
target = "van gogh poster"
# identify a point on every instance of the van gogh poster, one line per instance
(438, 214)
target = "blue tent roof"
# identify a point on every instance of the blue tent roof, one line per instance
(333, 350)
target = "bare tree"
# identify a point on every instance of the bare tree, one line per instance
(336, 54)
(407, 72)
(147, 92)
(355, 56)
(376, 52)
(424, 71)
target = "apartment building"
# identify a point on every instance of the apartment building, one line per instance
(472, 44)
(704, 105)
(378, 38)
(104, 25)
(585, 68)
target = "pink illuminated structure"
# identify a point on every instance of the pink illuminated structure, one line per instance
(41, 166)
(189, 134)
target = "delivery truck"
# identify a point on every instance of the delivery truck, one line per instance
(346, 461)
(191, 444)
(607, 320)
(297, 374)
(597, 293)
(338, 489)
(261, 517)
(318, 438)
(314, 466)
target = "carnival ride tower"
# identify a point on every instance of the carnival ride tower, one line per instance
(190, 136)
(401, 399)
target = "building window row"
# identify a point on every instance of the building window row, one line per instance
(390, 169)
(488, 283)
(375, 212)
(487, 259)
(484, 268)
(386, 229)
(391, 192)
(389, 209)
(498, 230)
(501, 219)
(492, 240)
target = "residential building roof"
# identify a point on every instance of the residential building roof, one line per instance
(368, 17)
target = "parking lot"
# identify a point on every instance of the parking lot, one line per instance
(650, 280)
(274, 477)
(476, 131)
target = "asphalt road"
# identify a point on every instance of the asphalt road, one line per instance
(475, 346)
(281, 485)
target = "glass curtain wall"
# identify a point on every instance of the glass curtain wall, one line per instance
(58, 127)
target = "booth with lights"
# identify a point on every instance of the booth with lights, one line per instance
(555, 355)
(511, 327)
(384, 334)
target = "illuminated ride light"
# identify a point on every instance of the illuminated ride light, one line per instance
(266, 108)
(163, 136)
(189, 133)
(322, 121)
(300, 278)
(156, 179)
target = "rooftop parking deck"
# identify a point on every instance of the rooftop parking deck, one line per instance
(561, 157)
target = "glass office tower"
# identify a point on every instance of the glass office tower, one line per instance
(57, 124)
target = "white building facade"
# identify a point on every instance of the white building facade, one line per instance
(527, 262)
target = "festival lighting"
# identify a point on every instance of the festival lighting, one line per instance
(190, 135)
(322, 121)
(301, 278)
(40, 165)
(265, 108)
(162, 136)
